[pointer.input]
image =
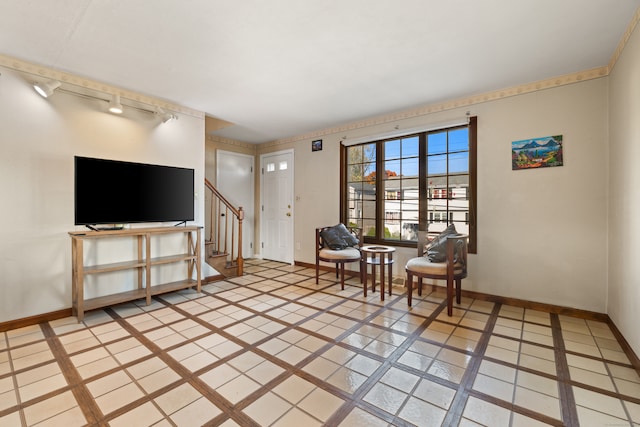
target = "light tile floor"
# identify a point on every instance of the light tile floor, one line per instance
(272, 348)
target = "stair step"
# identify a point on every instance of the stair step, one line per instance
(218, 255)
(220, 263)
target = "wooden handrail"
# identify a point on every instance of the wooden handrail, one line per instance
(215, 191)
(221, 210)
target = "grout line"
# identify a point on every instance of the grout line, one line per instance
(456, 409)
(187, 376)
(568, 408)
(16, 390)
(87, 404)
(293, 293)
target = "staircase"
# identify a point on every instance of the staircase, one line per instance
(223, 233)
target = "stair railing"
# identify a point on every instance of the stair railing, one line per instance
(223, 228)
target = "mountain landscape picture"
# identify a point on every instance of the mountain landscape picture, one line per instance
(536, 153)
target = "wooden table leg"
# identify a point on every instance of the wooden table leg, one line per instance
(80, 280)
(373, 274)
(390, 261)
(365, 279)
(381, 276)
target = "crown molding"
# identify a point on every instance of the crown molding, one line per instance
(81, 82)
(567, 79)
(624, 39)
(232, 142)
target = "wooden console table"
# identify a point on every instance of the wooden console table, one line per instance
(142, 264)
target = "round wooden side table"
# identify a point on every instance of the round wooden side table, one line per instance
(375, 255)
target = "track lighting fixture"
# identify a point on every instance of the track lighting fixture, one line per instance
(115, 106)
(49, 87)
(46, 89)
(164, 116)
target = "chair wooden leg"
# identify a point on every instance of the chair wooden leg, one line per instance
(450, 296)
(337, 267)
(317, 270)
(364, 285)
(409, 288)
(458, 290)
(419, 286)
(341, 275)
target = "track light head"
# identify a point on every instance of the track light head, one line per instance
(168, 117)
(115, 106)
(46, 89)
(164, 116)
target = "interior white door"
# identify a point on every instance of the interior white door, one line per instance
(277, 206)
(235, 181)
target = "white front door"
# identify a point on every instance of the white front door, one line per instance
(277, 206)
(235, 181)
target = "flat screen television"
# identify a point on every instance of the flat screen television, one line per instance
(117, 192)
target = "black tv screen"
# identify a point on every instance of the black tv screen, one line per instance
(117, 192)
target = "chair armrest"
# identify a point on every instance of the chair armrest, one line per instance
(457, 244)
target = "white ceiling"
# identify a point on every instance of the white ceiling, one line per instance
(281, 68)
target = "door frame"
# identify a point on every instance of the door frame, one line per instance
(290, 257)
(248, 252)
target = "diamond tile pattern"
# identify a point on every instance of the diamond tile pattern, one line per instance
(272, 348)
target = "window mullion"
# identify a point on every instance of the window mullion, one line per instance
(380, 193)
(473, 159)
(423, 184)
(447, 188)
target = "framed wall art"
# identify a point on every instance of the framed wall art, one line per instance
(537, 153)
(316, 145)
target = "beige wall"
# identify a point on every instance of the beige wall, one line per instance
(38, 141)
(542, 233)
(624, 193)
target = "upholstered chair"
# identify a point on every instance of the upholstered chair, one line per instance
(328, 250)
(452, 269)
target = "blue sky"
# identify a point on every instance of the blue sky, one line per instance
(437, 164)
